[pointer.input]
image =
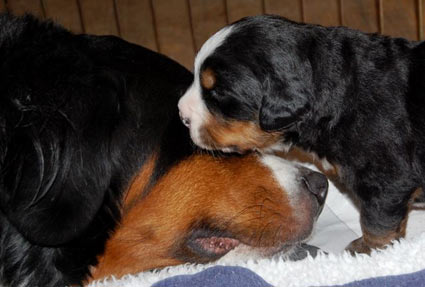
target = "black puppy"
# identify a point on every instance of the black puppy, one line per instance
(78, 118)
(354, 99)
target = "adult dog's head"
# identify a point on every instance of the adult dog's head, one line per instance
(253, 82)
(206, 207)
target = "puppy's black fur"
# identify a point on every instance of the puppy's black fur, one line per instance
(79, 115)
(356, 99)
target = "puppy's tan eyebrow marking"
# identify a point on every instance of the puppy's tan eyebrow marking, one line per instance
(208, 79)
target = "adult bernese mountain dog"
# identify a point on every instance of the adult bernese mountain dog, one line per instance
(99, 177)
(353, 99)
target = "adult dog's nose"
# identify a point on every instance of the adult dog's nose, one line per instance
(317, 184)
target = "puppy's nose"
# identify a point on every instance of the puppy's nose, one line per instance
(186, 121)
(317, 184)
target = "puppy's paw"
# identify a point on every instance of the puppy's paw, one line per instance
(358, 246)
(365, 245)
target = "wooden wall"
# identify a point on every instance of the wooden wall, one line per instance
(178, 28)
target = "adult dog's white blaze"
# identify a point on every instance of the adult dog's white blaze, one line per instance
(285, 172)
(191, 105)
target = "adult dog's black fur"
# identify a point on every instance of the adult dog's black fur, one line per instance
(355, 99)
(77, 119)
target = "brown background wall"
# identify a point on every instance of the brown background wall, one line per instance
(178, 28)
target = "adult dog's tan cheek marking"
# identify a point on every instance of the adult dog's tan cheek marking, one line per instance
(243, 135)
(138, 184)
(208, 78)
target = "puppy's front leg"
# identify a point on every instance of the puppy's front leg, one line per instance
(384, 213)
(371, 240)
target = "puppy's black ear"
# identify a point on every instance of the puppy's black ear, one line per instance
(289, 87)
(57, 161)
(284, 103)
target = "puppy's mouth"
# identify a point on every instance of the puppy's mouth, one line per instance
(207, 143)
(234, 149)
(239, 150)
(225, 149)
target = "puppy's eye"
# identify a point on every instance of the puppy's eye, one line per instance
(208, 79)
(213, 93)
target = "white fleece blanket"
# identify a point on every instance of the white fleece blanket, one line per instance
(337, 226)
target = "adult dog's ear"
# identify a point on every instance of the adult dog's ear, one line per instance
(57, 161)
(284, 103)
